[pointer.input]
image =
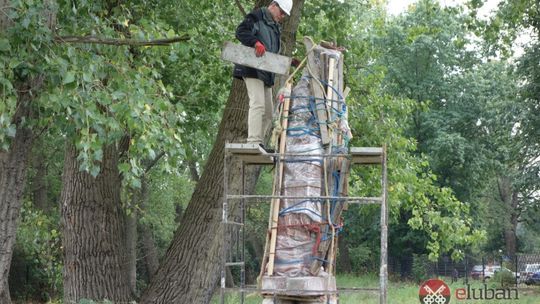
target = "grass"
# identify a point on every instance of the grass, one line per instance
(399, 292)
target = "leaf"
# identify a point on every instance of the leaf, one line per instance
(98, 155)
(25, 22)
(123, 168)
(69, 77)
(94, 171)
(136, 183)
(11, 131)
(118, 95)
(4, 45)
(87, 76)
(152, 153)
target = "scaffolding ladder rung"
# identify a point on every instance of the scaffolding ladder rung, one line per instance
(348, 199)
(233, 223)
(235, 264)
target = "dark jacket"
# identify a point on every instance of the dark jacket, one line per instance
(258, 26)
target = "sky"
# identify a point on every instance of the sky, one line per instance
(395, 7)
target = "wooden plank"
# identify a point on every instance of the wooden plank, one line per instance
(243, 55)
(330, 103)
(341, 87)
(274, 207)
(366, 151)
(367, 160)
(317, 91)
(241, 148)
(250, 153)
(366, 155)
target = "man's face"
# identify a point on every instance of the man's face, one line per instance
(277, 13)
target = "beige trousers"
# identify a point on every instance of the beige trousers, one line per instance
(260, 109)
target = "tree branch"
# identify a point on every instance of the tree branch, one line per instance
(153, 162)
(112, 41)
(240, 7)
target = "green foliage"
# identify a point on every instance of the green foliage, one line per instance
(396, 70)
(21, 49)
(362, 258)
(95, 94)
(420, 270)
(39, 245)
(511, 19)
(168, 193)
(503, 278)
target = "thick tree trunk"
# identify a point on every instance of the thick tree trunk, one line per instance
(189, 271)
(13, 167)
(93, 228)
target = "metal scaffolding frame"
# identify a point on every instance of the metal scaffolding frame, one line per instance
(253, 155)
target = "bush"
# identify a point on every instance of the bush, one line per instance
(420, 269)
(361, 258)
(504, 278)
(37, 259)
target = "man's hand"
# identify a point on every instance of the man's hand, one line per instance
(259, 49)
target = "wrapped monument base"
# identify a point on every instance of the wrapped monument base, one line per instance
(311, 176)
(308, 289)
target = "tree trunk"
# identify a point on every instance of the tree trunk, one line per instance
(189, 271)
(39, 182)
(343, 258)
(191, 264)
(131, 249)
(13, 165)
(150, 253)
(14, 162)
(93, 228)
(510, 236)
(509, 197)
(256, 243)
(13, 168)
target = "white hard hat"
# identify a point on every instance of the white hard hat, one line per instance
(285, 5)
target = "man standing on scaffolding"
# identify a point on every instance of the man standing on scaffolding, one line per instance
(261, 29)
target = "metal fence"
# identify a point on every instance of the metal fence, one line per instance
(516, 269)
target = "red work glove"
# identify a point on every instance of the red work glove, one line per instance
(259, 49)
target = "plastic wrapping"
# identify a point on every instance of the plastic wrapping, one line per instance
(299, 219)
(305, 231)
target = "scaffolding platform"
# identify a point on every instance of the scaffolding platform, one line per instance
(314, 286)
(298, 286)
(254, 154)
